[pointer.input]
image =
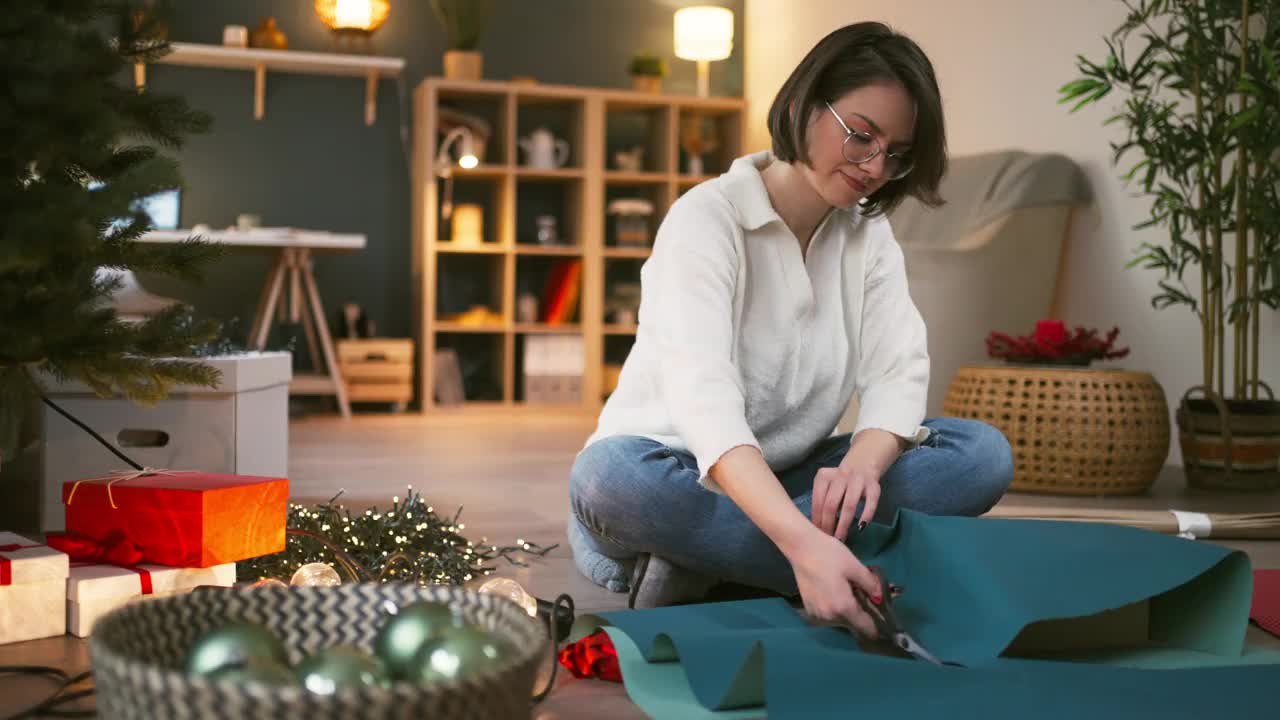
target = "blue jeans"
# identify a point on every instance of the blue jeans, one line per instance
(634, 495)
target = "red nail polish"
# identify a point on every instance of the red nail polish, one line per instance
(877, 599)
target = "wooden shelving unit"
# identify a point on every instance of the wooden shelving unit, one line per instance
(370, 67)
(598, 124)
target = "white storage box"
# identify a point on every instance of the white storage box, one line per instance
(240, 427)
(33, 590)
(553, 369)
(95, 590)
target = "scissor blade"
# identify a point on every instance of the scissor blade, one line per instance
(906, 642)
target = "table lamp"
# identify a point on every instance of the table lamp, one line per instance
(462, 137)
(704, 33)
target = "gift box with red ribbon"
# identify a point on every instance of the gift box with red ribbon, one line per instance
(182, 519)
(95, 589)
(33, 589)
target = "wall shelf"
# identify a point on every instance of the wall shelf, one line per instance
(370, 67)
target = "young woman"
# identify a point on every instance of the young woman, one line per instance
(774, 295)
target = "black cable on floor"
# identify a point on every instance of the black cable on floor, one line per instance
(49, 707)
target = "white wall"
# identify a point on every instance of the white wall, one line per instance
(999, 64)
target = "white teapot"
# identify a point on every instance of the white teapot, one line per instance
(544, 150)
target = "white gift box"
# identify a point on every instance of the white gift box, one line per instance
(239, 427)
(33, 588)
(95, 590)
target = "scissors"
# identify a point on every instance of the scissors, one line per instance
(886, 620)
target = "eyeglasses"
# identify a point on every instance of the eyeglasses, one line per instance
(860, 147)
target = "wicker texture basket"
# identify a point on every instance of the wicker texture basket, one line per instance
(137, 653)
(1073, 431)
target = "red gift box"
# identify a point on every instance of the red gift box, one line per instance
(182, 518)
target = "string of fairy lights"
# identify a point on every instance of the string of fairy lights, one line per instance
(407, 543)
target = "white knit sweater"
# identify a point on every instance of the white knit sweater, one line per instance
(743, 341)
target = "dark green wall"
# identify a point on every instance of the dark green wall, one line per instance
(312, 163)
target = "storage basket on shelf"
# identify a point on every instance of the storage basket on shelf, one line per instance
(137, 654)
(1074, 431)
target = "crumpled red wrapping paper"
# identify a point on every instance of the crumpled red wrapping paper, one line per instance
(592, 656)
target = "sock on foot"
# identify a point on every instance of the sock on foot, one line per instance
(598, 567)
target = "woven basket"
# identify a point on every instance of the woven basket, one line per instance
(1073, 431)
(137, 653)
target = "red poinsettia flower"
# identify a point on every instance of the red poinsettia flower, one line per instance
(1051, 332)
(1053, 342)
(592, 656)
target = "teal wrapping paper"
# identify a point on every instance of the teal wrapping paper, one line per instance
(973, 585)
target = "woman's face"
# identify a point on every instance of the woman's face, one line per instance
(883, 111)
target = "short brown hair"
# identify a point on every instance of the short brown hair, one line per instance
(855, 56)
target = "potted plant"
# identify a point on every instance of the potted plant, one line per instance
(463, 22)
(1202, 110)
(1053, 343)
(647, 71)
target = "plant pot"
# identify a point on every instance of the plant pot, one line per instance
(647, 83)
(463, 65)
(1230, 444)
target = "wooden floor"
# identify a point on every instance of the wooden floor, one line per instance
(509, 474)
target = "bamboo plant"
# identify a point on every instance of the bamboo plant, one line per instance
(1202, 109)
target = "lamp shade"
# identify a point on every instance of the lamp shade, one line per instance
(704, 33)
(358, 15)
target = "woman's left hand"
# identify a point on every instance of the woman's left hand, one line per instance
(836, 494)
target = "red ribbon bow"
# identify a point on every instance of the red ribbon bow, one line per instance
(592, 656)
(116, 550)
(6, 565)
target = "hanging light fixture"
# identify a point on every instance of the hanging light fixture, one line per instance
(353, 20)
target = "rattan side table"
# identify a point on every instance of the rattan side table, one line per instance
(1073, 430)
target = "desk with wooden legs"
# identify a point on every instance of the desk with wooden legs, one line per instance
(292, 269)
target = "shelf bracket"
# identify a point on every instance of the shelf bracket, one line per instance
(259, 90)
(371, 97)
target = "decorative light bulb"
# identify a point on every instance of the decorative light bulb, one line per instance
(316, 575)
(512, 590)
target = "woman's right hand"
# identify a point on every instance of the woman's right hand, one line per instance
(826, 573)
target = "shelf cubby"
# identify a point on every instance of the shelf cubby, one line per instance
(481, 362)
(542, 277)
(537, 199)
(466, 282)
(564, 118)
(639, 127)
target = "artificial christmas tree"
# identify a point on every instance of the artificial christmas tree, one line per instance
(80, 153)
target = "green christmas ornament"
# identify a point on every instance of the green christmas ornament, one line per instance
(259, 670)
(456, 653)
(331, 669)
(234, 644)
(403, 633)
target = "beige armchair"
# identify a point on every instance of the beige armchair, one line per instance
(990, 259)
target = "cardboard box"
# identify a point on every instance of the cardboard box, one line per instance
(554, 366)
(95, 590)
(239, 427)
(33, 589)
